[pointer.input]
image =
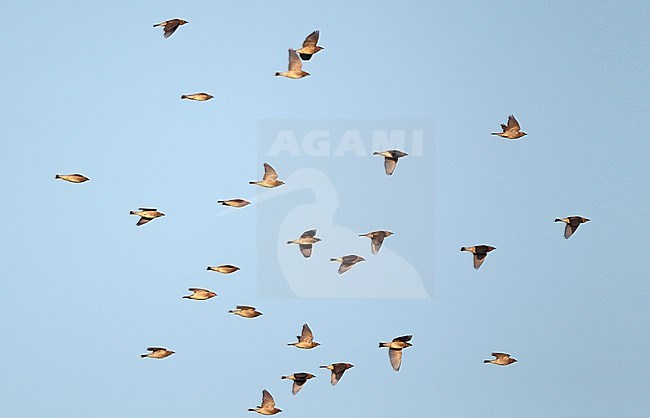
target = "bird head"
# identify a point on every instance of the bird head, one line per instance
(280, 182)
(388, 233)
(305, 73)
(182, 22)
(361, 258)
(585, 220)
(317, 239)
(316, 344)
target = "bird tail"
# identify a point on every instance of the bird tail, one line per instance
(132, 212)
(158, 24)
(231, 311)
(463, 249)
(496, 133)
(252, 182)
(333, 259)
(322, 367)
(384, 345)
(558, 220)
(143, 355)
(184, 96)
(186, 297)
(277, 74)
(284, 377)
(221, 201)
(252, 410)
(57, 177)
(486, 361)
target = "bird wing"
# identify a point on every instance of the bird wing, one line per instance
(404, 339)
(170, 28)
(308, 234)
(267, 400)
(152, 349)
(336, 376)
(345, 266)
(295, 64)
(305, 249)
(196, 289)
(375, 243)
(395, 356)
(297, 385)
(513, 125)
(312, 39)
(269, 173)
(245, 308)
(148, 209)
(143, 221)
(390, 164)
(306, 336)
(569, 230)
(478, 260)
(501, 355)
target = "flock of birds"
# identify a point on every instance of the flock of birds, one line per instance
(510, 131)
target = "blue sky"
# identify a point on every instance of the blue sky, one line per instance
(93, 88)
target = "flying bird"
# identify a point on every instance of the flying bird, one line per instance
(170, 26)
(199, 294)
(480, 252)
(305, 242)
(572, 224)
(270, 179)
(224, 269)
(299, 379)
(376, 239)
(337, 371)
(390, 159)
(395, 348)
(512, 130)
(235, 203)
(295, 67)
(146, 215)
(501, 359)
(268, 405)
(347, 262)
(157, 352)
(245, 311)
(306, 339)
(72, 178)
(309, 46)
(200, 97)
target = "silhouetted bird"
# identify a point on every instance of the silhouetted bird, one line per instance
(72, 178)
(347, 262)
(224, 269)
(157, 352)
(235, 203)
(245, 311)
(376, 239)
(200, 294)
(200, 97)
(299, 379)
(146, 215)
(501, 359)
(480, 252)
(270, 179)
(512, 130)
(306, 339)
(309, 46)
(390, 159)
(170, 26)
(268, 405)
(295, 67)
(572, 224)
(395, 350)
(305, 242)
(337, 371)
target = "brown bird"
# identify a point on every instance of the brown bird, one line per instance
(224, 269)
(268, 405)
(200, 97)
(170, 26)
(306, 339)
(480, 252)
(376, 239)
(235, 203)
(572, 224)
(305, 242)
(270, 179)
(390, 159)
(337, 371)
(512, 130)
(200, 294)
(501, 359)
(146, 215)
(295, 67)
(157, 352)
(395, 350)
(347, 262)
(245, 311)
(299, 379)
(72, 178)
(309, 46)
